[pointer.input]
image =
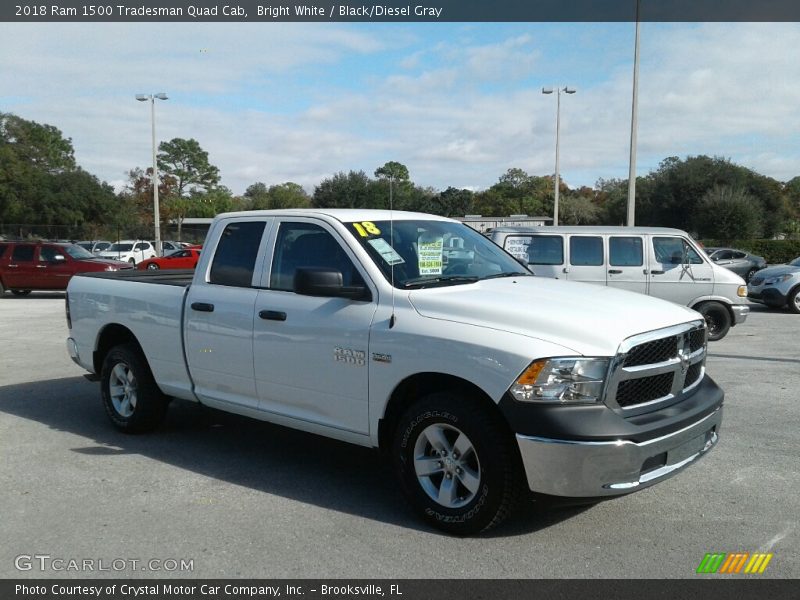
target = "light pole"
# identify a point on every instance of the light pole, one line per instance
(566, 90)
(634, 127)
(156, 215)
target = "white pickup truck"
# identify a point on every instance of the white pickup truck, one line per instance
(417, 335)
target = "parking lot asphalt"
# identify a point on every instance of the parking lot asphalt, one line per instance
(242, 498)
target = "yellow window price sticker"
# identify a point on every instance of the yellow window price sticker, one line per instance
(366, 228)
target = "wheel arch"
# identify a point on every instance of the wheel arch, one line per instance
(714, 299)
(112, 335)
(420, 384)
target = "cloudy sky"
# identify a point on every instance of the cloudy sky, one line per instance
(458, 103)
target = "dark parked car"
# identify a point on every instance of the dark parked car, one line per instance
(740, 262)
(26, 266)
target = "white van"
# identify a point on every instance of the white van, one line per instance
(658, 261)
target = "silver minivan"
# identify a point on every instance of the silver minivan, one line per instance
(658, 261)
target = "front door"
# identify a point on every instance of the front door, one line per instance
(312, 353)
(678, 272)
(21, 269)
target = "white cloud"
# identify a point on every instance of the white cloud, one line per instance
(280, 102)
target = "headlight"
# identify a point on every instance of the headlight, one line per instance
(563, 380)
(742, 291)
(111, 268)
(778, 279)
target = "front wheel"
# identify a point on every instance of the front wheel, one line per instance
(718, 320)
(152, 267)
(749, 275)
(456, 464)
(794, 300)
(132, 261)
(130, 395)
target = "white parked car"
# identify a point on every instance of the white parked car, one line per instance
(132, 251)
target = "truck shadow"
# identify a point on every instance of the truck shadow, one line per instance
(245, 452)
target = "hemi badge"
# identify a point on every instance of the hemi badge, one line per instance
(384, 358)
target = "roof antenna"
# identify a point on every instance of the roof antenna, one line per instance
(392, 319)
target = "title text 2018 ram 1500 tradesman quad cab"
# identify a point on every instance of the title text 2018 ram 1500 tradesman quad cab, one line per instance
(415, 334)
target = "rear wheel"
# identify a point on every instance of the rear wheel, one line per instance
(2, 289)
(718, 319)
(794, 300)
(152, 267)
(132, 261)
(456, 464)
(20, 292)
(130, 395)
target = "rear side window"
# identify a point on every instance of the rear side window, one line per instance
(625, 252)
(537, 249)
(22, 253)
(235, 259)
(585, 251)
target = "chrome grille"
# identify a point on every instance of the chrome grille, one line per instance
(657, 367)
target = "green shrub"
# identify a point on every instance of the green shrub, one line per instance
(774, 251)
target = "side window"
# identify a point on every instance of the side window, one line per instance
(625, 252)
(48, 253)
(724, 255)
(537, 249)
(22, 253)
(585, 251)
(302, 245)
(670, 250)
(237, 250)
(141, 246)
(2, 250)
(737, 255)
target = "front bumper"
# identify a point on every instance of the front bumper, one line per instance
(592, 469)
(767, 295)
(740, 312)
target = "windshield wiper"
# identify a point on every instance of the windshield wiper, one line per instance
(441, 279)
(498, 275)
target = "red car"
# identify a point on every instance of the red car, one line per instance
(182, 259)
(26, 266)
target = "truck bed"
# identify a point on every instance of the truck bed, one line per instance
(178, 277)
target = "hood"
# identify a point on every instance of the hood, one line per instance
(589, 319)
(776, 270)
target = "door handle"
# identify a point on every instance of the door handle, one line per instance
(565, 270)
(657, 272)
(13, 266)
(615, 271)
(272, 315)
(202, 307)
(41, 266)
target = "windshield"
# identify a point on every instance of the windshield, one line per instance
(120, 248)
(78, 253)
(433, 253)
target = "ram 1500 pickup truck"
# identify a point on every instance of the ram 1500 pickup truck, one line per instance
(417, 335)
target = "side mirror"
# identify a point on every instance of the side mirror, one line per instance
(714, 258)
(327, 283)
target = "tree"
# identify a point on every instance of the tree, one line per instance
(188, 163)
(343, 190)
(393, 170)
(728, 213)
(41, 147)
(287, 195)
(575, 209)
(454, 202)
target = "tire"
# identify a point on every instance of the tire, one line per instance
(132, 261)
(20, 292)
(461, 493)
(793, 300)
(152, 267)
(718, 319)
(749, 275)
(130, 395)
(2, 289)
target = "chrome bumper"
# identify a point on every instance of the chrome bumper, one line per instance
(740, 312)
(72, 348)
(579, 469)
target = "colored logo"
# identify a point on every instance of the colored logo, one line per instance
(735, 563)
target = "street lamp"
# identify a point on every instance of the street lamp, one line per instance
(566, 90)
(156, 215)
(634, 127)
